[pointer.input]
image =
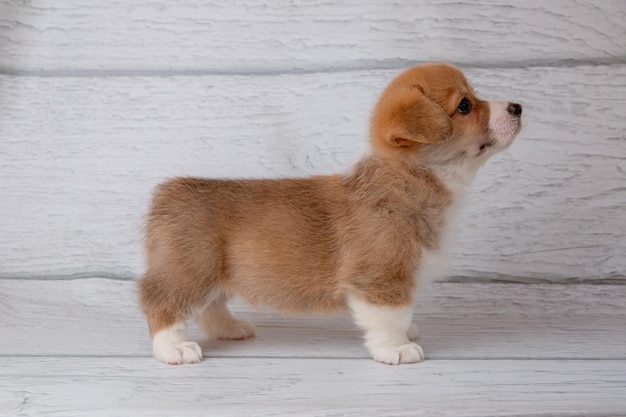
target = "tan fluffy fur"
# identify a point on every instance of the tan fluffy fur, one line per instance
(301, 245)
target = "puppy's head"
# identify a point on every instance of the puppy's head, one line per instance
(431, 113)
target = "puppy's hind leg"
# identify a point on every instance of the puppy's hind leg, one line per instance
(167, 322)
(170, 345)
(218, 323)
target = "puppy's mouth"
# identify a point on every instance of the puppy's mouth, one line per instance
(485, 145)
(499, 142)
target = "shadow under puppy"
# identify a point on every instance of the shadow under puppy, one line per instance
(364, 241)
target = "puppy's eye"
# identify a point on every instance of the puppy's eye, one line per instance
(464, 106)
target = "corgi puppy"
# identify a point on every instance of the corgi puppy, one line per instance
(365, 242)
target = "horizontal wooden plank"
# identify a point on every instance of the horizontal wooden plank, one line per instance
(80, 156)
(100, 317)
(285, 387)
(260, 36)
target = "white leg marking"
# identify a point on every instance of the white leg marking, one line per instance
(386, 331)
(170, 345)
(413, 332)
(217, 322)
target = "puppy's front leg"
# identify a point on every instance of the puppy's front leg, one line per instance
(413, 332)
(386, 331)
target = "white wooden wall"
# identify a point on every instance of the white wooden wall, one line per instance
(100, 101)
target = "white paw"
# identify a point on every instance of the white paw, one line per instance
(408, 353)
(413, 332)
(237, 330)
(186, 352)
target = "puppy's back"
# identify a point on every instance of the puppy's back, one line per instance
(250, 237)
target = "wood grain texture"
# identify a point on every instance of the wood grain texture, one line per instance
(80, 156)
(79, 348)
(99, 317)
(100, 101)
(70, 36)
(286, 387)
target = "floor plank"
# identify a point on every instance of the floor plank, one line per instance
(310, 387)
(457, 321)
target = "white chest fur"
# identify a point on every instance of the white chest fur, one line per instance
(434, 263)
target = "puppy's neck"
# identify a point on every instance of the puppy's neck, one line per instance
(375, 178)
(455, 176)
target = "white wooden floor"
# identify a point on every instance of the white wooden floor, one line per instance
(81, 348)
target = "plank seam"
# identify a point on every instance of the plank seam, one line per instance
(351, 358)
(609, 280)
(396, 64)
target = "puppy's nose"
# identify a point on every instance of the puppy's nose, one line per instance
(514, 109)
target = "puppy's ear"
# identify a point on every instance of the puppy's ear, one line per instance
(414, 118)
